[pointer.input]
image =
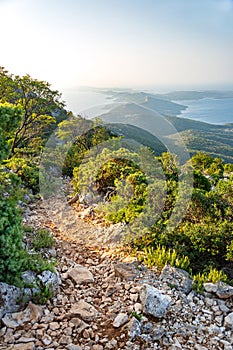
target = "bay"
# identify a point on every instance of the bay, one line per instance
(209, 110)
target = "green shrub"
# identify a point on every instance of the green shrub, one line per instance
(130, 184)
(37, 263)
(211, 275)
(10, 228)
(161, 256)
(27, 170)
(41, 297)
(207, 243)
(43, 239)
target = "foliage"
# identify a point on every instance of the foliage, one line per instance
(137, 315)
(118, 178)
(40, 107)
(43, 239)
(211, 275)
(45, 293)
(10, 228)
(229, 254)
(27, 170)
(27, 228)
(37, 263)
(10, 117)
(200, 181)
(207, 243)
(205, 234)
(160, 256)
(27, 110)
(80, 136)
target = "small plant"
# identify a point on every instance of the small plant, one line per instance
(28, 229)
(45, 293)
(43, 239)
(37, 263)
(137, 315)
(161, 256)
(213, 275)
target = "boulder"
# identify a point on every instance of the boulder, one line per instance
(80, 274)
(11, 298)
(221, 289)
(29, 277)
(49, 278)
(154, 303)
(85, 311)
(177, 278)
(126, 271)
(31, 314)
(224, 291)
(210, 287)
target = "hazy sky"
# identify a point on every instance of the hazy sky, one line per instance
(128, 43)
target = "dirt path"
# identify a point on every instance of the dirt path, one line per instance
(94, 303)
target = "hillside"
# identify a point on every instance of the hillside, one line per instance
(141, 136)
(150, 114)
(104, 244)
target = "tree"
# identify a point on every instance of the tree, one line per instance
(201, 161)
(39, 104)
(78, 136)
(7, 86)
(10, 117)
(41, 108)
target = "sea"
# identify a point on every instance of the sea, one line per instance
(87, 103)
(209, 110)
(90, 104)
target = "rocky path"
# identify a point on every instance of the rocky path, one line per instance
(101, 292)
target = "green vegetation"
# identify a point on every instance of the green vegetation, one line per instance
(111, 175)
(137, 315)
(212, 275)
(43, 296)
(10, 219)
(37, 263)
(29, 112)
(204, 237)
(126, 179)
(42, 239)
(160, 256)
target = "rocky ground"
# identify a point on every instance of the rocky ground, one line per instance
(107, 300)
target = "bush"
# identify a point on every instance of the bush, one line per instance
(43, 295)
(43, 239)
(211, 275)
(208, 243)
(161, 256)
(10, 228)
(26, 170)
(37, 263)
